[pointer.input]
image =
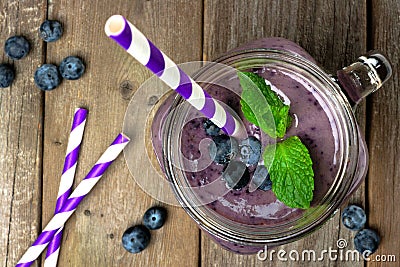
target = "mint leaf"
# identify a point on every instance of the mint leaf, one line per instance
(288, 162)
(262, 106)
(290, 169)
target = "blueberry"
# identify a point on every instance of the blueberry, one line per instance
(353, 217)
(47, 77)
(250, 150)
(135, 239)
(261, 178)
(50, 30)
(16, 47)
(7, 75)
(223, 149)
(367, 239)
(71, 68)
(154, 218)
(211, 128)
(236, 175)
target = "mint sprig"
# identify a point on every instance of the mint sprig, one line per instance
(288, 162)
(262, 106)
(290, 168)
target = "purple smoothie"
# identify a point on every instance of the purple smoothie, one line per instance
(312, 123)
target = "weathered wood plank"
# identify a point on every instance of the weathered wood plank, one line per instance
(334, 33)
(93, 235)
(384, 138)
(21, 130)
(326, 29)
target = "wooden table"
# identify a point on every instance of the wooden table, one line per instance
(34, 125)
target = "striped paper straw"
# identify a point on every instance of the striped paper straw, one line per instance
(70, 205)
(136, 44)
(67, 179)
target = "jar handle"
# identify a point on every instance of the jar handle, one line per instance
(364, 76)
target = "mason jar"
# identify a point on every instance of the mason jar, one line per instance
(322, 109)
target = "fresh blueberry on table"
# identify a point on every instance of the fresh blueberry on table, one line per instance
(250, 150)
(7, 75)
(71, 68)
(50, 30)
(236, 175)
(211, 128)
(354, 218)
(47, 77)
(223, 148)
(366, 239)
(261, 178)
(135, 239)
(154, 218)
(16, 47)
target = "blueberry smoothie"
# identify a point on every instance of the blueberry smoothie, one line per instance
(249, 204)
(311, 124)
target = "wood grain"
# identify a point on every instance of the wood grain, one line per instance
(34, 126)
(326, 30)
(384, 138)
(21, 131)
(93, 234)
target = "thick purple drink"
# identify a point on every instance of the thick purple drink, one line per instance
(310, 123)
(245, 220)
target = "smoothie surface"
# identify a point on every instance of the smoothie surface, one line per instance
(312, 123)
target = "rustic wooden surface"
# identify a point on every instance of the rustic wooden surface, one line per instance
(21, 138)
(383, 132)
(34, 126)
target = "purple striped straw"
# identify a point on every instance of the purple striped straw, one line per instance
(67, 179)
(137, 45)
(70, 205)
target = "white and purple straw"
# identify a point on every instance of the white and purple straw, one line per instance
(67, 179)
(70, 205)
(137, 45)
